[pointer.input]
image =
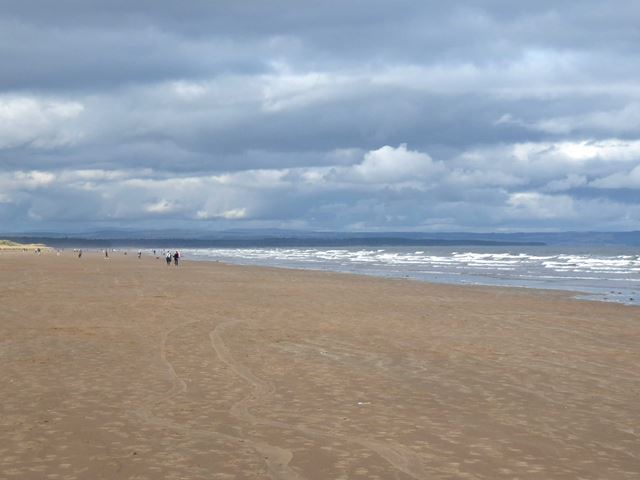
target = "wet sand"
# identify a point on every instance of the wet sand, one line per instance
(129, 369)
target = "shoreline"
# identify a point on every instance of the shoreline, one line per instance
(580, 295)
(567, 293)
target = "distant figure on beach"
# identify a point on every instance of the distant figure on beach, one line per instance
(106, 253)
(139, 253)
(176, 257)
(168, 258)
(80, 254)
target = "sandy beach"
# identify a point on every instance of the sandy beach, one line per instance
(128, 369)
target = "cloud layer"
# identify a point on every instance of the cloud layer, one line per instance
(356, 115)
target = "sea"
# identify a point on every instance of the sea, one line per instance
(592, 272)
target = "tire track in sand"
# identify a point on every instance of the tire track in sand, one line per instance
(400, 457)
(178, 385)
(277, 458)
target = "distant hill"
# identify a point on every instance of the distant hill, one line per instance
(290, 238)
(261, 242)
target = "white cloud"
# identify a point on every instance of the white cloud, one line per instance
(608, 150)
(623, 120)
(189, 90)
(266, 178)
(542, 162)
(389, 165)
(541, 206)
(570, 181)
(517, 185)
(39, 123)
(233, 214)
(629, 179)
(160, 207)
(33, 179)
(478, 178)
(288, 90)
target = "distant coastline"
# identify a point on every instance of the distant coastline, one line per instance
(259, 242)
(274, 238)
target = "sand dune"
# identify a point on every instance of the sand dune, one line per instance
(129, 369)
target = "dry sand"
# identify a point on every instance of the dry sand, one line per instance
(129, 369)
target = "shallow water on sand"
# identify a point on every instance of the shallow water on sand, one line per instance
(601, 273)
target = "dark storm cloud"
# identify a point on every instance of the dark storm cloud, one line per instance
(107, 42)
(514, 114)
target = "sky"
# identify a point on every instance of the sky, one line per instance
(360, 115)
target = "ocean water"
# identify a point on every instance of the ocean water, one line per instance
(600, 273)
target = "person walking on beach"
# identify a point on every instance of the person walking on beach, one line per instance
(106, 253)
(176, 257)
(168, 258)
(139, 253)
(80, 254)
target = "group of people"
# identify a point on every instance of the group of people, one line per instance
(168, 256)
(175, 256)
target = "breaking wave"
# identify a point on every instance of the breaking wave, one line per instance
(611, 277)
